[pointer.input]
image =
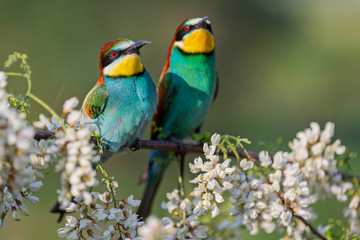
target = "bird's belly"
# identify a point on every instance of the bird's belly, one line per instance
(190, 114)
(122, 123)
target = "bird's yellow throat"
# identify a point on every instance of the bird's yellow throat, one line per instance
(128, 65)
(198, 41)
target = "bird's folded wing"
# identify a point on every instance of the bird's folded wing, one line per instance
(217, 87)
(95, 101)
(165, 92)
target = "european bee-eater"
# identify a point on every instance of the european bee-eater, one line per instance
(123, 100)
(186, 90)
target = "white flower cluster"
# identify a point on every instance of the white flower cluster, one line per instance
(76, 155)
(100, 221)
(76, 159)
(213, 182)
(188, 226)
(46, 152)
(314, 152)
(155, 229)
(19, 176)
(77, 166)
(284, 190)
(272, 193)
(353, 212)
(269, 202)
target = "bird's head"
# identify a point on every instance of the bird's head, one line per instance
(195, 36)
(121, 58)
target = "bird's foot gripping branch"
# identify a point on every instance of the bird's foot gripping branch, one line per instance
(268, 192)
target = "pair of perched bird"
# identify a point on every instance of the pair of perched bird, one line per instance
(124, 99)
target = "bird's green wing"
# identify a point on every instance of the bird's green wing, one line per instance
(95, 101)
(165, 92)
(216, 88)
(199, 128)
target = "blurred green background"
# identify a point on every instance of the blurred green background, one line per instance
(282, 64)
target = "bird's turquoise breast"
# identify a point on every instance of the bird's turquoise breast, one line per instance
(193, 78)
(129, 108)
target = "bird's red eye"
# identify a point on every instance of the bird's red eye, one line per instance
(187, 28)
(114, 53)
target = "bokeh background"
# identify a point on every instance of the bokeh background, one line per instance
(282, 64)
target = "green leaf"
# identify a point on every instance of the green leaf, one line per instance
(203, 137)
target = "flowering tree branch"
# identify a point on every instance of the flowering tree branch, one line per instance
(191, 148)
(304, 221)
(187, 148)
(266, 191)
(312, 228)
(164, 145)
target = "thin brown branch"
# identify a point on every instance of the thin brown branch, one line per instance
(312, 228)
(187, 148)
(161, 145)
(303, 220)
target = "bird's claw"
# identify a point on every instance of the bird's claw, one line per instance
(180, 144)
(136, 145)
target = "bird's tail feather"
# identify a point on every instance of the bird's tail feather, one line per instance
(158, 161)
(57, 210)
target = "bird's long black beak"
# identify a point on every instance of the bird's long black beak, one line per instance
(136, 46)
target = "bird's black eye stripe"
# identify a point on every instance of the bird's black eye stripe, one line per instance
(109, 58)
(181, 34)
